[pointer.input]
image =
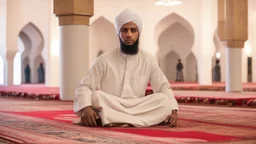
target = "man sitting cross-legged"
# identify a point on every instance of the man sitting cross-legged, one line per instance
(123, 75)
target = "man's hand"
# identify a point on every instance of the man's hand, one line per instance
(172, 119)
(89, 117)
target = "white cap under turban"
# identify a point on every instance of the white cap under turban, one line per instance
(125, 17)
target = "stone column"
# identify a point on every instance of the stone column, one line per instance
(74, 16)
(9, 68)
(233, 24)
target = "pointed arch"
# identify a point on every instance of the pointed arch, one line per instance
(34, 36)
(25, 63)
(102, 37)
(221, 50)
(169, 65)
(33, 41)
(176, 37)
(164, 23)
(31, 30)
(170, 33)
(38, 60)
(191, 68)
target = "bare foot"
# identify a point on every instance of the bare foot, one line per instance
(118, 125)
(164, 123)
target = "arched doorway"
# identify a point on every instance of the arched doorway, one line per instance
(220, 54)
(39, 61)
(169, 63)
(174, 34)
(247, 65)
(26, 66)
(33, 42)
(191, 68)
(102, 37)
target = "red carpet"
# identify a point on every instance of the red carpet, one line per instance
(41, 121)
(68, 116)
(185, 134)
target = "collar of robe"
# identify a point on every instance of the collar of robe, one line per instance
(128, 56)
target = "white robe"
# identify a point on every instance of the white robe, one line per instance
(123, 80)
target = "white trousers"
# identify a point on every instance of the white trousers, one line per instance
(142, 112)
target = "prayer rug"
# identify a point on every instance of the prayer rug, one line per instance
(30, 121)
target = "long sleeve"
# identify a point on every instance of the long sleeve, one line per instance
(160, 84)
(88, 84)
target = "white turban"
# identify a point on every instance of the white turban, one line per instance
(125, 17)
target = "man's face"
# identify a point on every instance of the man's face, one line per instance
(129, 33)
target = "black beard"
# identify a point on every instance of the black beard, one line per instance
(129, 49)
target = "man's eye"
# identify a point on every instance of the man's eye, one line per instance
(134, 30)
(124, 30)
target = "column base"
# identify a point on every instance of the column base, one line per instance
(233, 70)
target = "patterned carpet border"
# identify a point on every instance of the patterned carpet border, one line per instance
(36, 130)
(247, 102)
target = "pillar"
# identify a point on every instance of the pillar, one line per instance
(207, 44)
(9, 68)
(74, 16)
(11, 34)
(233, 24)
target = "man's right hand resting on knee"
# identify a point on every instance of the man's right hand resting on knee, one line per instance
(89, 117)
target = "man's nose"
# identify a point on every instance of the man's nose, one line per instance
(129, 33)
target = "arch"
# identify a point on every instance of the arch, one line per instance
(220, 49)
(33, 41)
(191, 68)
(25, 62)
(176, 37)
(25, 53)
(247, 65)
(164, 23)
(169, 65)
(102, 37)
(35, 36)
(27, 44)
(38, 60)
(1, 70)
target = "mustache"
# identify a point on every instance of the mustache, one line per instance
(129, 40)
